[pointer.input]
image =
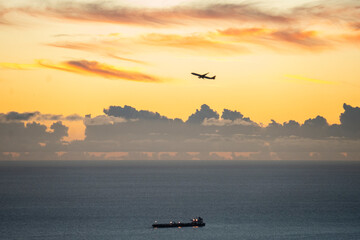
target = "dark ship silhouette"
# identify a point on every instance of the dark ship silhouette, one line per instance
(195, 222)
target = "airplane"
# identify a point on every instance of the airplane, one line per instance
(203, 76)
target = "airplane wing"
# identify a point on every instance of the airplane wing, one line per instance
(196, 74)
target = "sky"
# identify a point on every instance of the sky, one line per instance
(275, 61)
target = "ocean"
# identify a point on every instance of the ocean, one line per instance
(100, 200)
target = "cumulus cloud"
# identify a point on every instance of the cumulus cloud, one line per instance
(199, 116)
(37, 116)
(234, 115)
(21, 137)
(227, 122)
(216, 122)
(58, 131)
(311, 128)
(133, 132)
(15, 116)
(73, 117)
(103, 120)
(231, 115)
(350, 120)
(319, 128)
(128, 112)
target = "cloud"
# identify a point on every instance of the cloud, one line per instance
(199, 116)
(57, 117)
(73, 117)
(36, 116)
(106, 47)
(15, 116)
(234, 115)
(113, 46)
(315, 127)
(59, 131)
(127, 59)
(108, 12)
(3, 12)
(318, 122)
(350, 120)
(126, 129)
(99, 69)
(103, 120)
(305, 39)
(309, 27)
(30, 137)
(231, 115)
(229, 118)
(328, 12)
(228, 41)
(204, 128)
(75, 45)
(226, 122)
(195, 42)
(319, 128)
(268, 37)
(353, 38)
(128, 112)
(216, 122)
(300, 27)
(244, 32)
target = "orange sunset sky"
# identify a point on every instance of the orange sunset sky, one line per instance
(273, 59)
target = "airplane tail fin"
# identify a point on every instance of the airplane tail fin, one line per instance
(214, 77)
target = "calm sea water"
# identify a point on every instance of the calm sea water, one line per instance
(238, 200)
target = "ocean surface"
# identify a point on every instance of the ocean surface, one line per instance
(103, 200)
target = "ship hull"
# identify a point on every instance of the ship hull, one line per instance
(172, 225)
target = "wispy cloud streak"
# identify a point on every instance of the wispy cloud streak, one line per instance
(97, 47)
(108, 12)
(195, 42)
(220, 42)
(3, 12)
(267, 37)
(194, 13)
(102, 70)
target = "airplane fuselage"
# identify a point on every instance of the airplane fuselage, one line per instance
(203, 76)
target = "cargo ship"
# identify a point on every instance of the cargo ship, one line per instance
(195, 222)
